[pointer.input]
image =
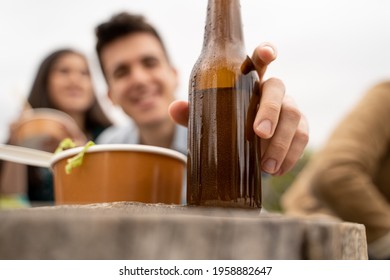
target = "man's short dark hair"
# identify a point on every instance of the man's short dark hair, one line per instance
(121, 25)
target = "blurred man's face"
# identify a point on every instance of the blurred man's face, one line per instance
(140, 78)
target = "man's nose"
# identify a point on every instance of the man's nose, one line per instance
(139, 75)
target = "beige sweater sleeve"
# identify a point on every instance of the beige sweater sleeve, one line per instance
(342, 175)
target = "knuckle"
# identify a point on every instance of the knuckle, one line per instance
(272, 107)
(292, 112)
(278, 83)
(279, 147)
(302, 136)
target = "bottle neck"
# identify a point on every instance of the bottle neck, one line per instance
(223, 24)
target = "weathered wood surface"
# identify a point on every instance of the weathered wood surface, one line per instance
(125, 230)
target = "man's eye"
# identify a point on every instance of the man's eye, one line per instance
(120, 72)
(85, 73)
(150, 62)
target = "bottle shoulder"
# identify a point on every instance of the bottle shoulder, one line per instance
(205, 76)
(218, 67)
(212, 62)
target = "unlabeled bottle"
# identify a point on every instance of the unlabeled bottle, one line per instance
(223, 151)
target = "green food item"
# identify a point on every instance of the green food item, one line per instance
(77, 160)
(67, 143)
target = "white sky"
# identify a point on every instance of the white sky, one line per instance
(330, 51)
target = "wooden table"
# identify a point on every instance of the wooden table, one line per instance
(126, 230)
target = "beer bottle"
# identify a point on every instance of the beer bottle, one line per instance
(223, 150)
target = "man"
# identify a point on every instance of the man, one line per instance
(142, 81)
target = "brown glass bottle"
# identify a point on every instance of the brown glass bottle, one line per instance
(223, 151)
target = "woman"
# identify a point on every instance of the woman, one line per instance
(63, 82)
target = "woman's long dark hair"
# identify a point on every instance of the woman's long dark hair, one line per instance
(39, 93)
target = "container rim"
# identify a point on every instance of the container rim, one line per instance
(46, 114)
(119, 147)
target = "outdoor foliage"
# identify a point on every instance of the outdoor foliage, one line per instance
(274, 186)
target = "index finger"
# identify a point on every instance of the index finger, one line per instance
(262, 56)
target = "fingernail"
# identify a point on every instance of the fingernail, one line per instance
(265, 127)
(270, 49)
(269, 165)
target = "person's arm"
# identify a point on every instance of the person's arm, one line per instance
(281, 126)
(351, 160)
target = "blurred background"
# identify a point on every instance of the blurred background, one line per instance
(329, 52)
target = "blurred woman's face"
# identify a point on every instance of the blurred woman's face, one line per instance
(70, 84)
